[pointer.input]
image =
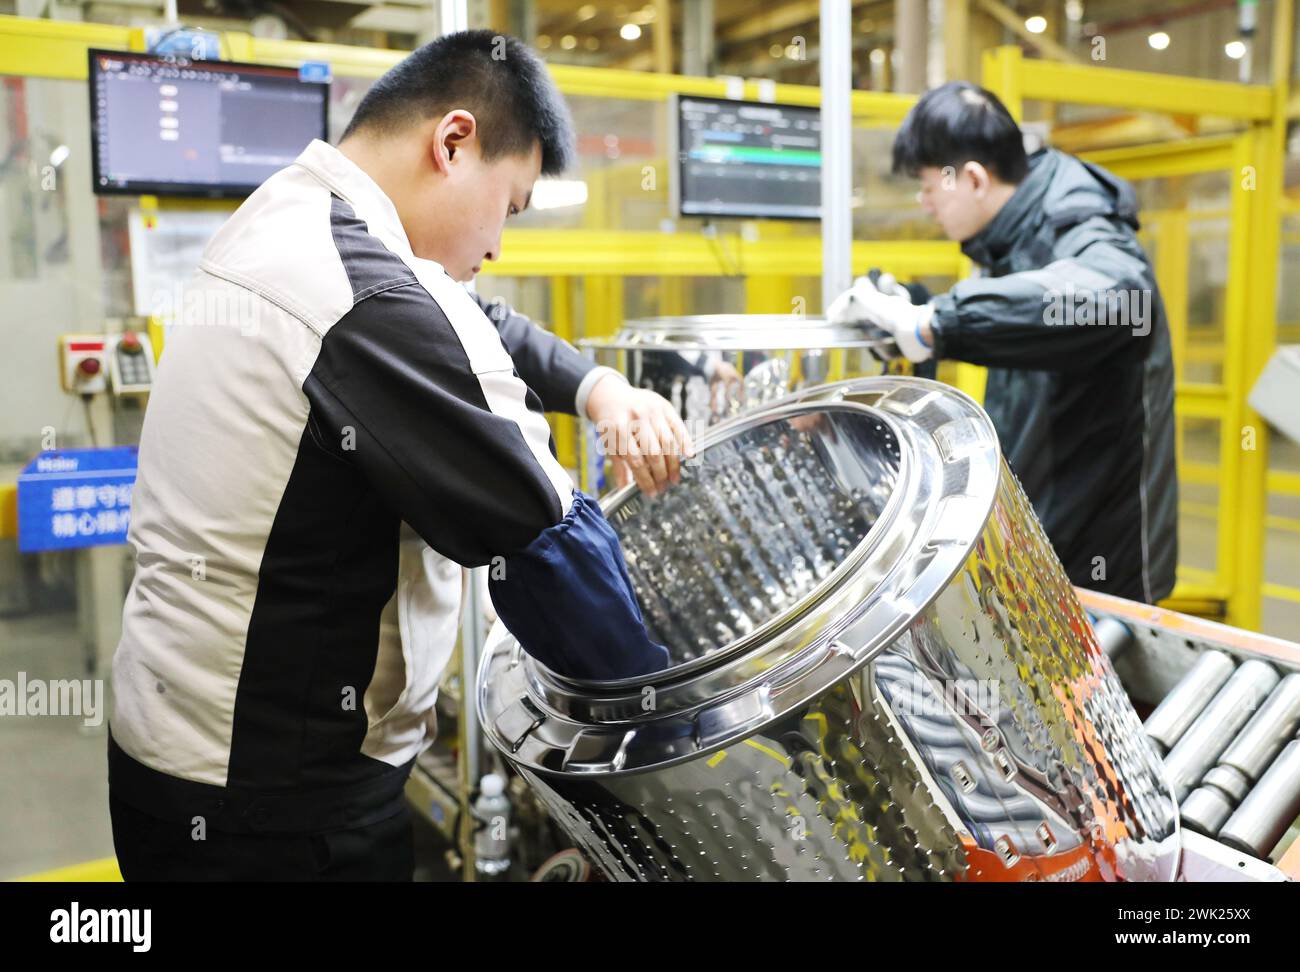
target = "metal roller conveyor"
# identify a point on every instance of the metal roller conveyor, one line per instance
(1114, 636)
(879, 670)
(1218, 724)
(1269, 809)
(1244, 762)
(1179, 709)
(1239, 816)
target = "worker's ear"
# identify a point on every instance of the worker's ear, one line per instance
(454, 131)
(980, 178)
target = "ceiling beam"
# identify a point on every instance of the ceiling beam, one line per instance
(1013, 22)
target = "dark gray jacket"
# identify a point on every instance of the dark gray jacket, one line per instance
(1081, 387)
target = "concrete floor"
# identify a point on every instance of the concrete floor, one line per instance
(53, 772)
(53, 777)
(53, 783)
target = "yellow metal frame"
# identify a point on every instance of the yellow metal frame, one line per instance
(104, 870)
(1253, 160)
(545, 253)
(57, 49)
(603, 257)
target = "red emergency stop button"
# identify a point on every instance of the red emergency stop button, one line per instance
(130, 343)
(89, 367)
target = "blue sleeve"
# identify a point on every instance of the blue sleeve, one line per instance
(568, 599)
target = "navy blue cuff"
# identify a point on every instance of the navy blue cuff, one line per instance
(944, 327)
(568, 599)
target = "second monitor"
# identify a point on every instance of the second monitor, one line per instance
(745, 159)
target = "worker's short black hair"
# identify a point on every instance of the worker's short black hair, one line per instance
(960, 122)
(496, 78)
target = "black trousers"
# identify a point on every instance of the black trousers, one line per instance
(149, 849)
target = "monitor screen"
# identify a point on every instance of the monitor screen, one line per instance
(165, 125)
(747, 159)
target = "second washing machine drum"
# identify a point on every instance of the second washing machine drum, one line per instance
(879, 670)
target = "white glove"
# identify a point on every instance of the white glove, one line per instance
(890, 310)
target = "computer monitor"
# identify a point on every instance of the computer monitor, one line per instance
(745, 159)
(163, 125)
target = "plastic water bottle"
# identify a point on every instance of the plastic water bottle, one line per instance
(492, 839)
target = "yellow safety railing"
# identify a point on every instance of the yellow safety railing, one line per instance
(600, 258)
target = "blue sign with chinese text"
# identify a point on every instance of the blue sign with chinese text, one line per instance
(70, 498)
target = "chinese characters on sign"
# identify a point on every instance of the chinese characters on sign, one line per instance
(75, 498)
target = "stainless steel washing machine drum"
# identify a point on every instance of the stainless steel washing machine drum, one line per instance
(774, 354)
(880, 670)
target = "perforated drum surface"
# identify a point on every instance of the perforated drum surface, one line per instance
(753, 527)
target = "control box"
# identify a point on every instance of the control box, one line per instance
(93, 363)
(131, 368)
(83, 363)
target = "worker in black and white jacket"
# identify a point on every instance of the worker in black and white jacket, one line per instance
(336, 426)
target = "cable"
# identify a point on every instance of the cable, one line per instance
(90, 420)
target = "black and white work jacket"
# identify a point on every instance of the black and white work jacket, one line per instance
(322, 389)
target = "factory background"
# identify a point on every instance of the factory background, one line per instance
(1193, 102)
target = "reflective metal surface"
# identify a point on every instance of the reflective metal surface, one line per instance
(1179, 709)
(881, 671)
(1218, 724)
(1244, 762)
(1263, 817)
(773, 354)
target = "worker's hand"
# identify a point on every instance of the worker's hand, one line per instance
(726, 389)
(723, 375)
(907, 323)
(640, 432)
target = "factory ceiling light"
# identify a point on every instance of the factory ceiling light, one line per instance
(1235, 49)
(1159, 40)
(1036, 25)
(629, 32)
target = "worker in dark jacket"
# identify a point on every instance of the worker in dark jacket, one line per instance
(1069, 322)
